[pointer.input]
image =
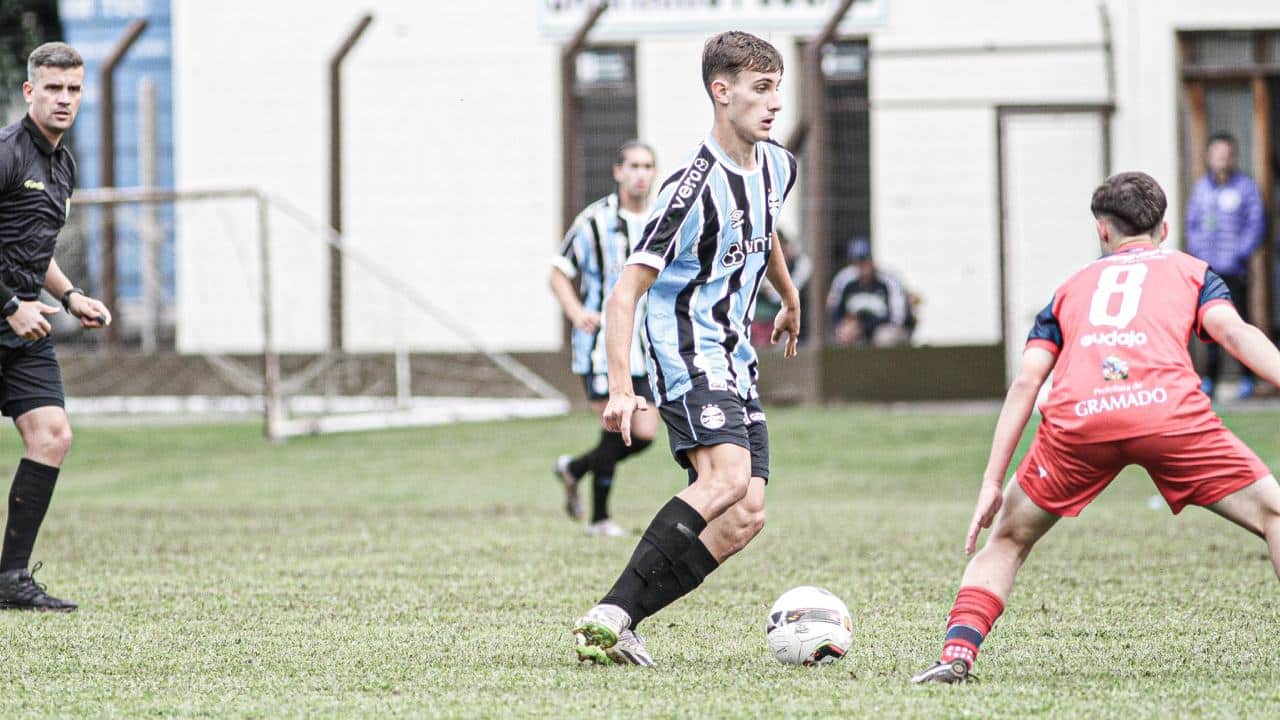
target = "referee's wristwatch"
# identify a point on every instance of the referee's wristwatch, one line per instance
(10, 307)
(66, 297)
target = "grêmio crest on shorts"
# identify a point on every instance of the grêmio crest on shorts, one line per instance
(709, 238)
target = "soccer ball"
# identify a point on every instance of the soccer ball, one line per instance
(808, 626)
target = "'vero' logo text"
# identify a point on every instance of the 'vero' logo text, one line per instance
(689, 183)
(1115, 338)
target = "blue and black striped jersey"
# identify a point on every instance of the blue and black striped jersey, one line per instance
(596, 247)
(709, 238)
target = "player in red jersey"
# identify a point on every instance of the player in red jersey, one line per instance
(1124, 393)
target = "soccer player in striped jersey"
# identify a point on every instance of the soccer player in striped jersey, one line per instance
(1124, 393)
(595, 250)
(705, 251)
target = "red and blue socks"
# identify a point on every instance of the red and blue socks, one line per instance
(974, 612)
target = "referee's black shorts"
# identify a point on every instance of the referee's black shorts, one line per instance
(29, 378)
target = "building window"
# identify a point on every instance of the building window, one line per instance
(605, 98)
(844, 71)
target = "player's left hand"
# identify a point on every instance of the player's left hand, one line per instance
(92, 313)
(990, 498)
(787, 323)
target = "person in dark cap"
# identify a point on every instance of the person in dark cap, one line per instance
(868, 306)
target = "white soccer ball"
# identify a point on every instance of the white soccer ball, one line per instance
(808, 626)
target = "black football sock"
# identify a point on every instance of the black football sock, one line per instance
(587, 461)
(600, 487)
(669, 536)
(607, 454)
(685, 574)
(28, 500)
(636, 447)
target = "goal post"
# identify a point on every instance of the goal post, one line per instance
(222, 255)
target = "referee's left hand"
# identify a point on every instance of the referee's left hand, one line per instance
(92, 313)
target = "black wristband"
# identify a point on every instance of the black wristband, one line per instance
(10, 307)
(66, 297)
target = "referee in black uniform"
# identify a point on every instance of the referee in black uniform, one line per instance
(37, 174)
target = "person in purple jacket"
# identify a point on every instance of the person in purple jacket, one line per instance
(1224, 226)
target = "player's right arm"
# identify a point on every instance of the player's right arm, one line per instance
(1037, 363)
(565, 266)
(672, 231)
(1245, 342)
(1043, 345)
(16, 286)
(577, 313)
(620, 314)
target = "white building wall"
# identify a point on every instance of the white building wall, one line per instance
(935, 211)
(453, 154)
(451, 162)
(1145, 132)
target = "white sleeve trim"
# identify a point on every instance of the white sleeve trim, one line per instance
(648, 259)
(562, 263)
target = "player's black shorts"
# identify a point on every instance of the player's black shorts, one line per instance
(30, 378)
(597, 387)
(703, 417)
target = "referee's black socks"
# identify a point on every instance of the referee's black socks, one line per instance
(29, 498)
(673, 531)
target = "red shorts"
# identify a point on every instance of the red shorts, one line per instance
(1062, 476)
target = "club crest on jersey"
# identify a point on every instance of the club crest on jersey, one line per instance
(689, 184)
(1114, 368)
(712, 417)
(737, 252)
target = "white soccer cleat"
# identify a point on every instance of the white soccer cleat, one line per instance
(606, 528)
(598, 631)
(630, 650)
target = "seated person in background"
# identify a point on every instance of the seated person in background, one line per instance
(869, 306)
(769, 302)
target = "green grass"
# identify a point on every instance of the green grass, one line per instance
(432, 573)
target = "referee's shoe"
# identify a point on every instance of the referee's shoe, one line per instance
(20, 591)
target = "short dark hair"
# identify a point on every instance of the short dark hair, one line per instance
(52, 54)
(632, 144)
(1131, 202)
(1223, 136)
(729, 53)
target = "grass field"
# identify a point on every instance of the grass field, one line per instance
(432, 573)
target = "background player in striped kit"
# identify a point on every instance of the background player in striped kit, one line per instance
(594, 251)
(1124, 392)
(704, 254)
